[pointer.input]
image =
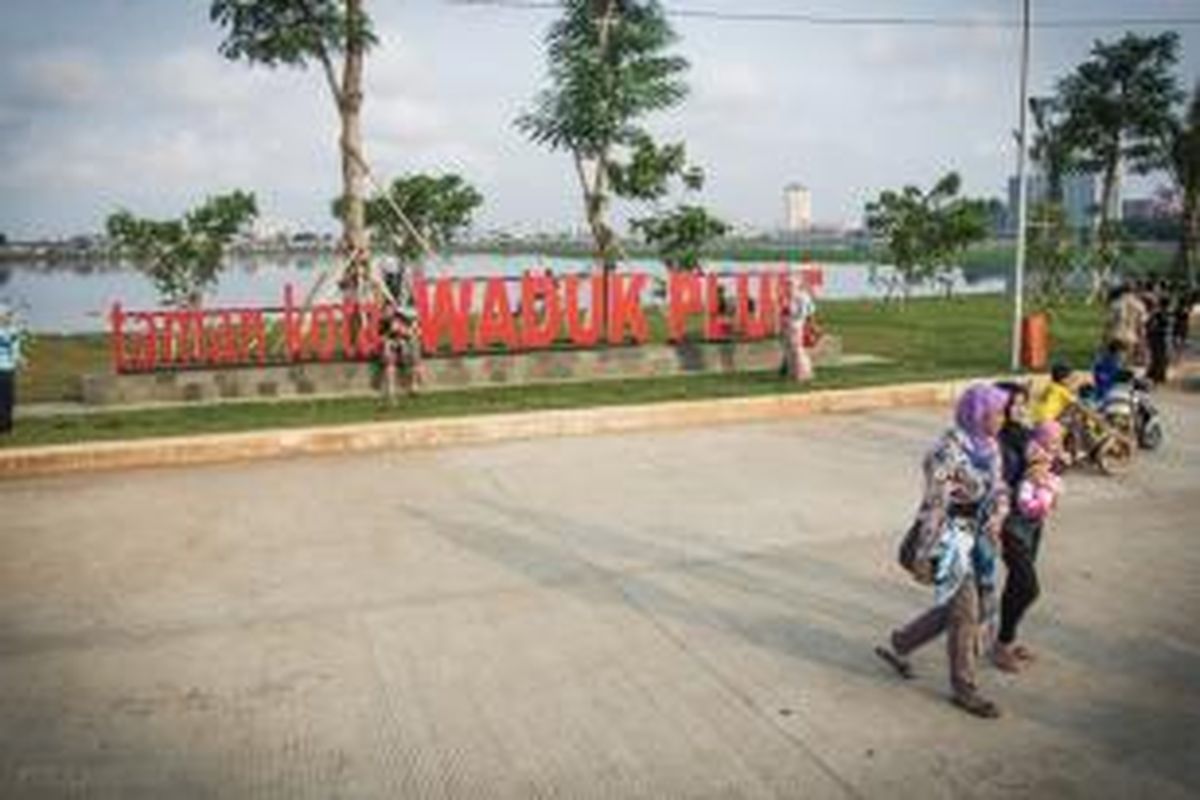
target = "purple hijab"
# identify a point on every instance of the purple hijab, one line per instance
(978, 402)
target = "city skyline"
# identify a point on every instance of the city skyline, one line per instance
(127, 103)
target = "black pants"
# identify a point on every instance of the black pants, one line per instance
(1157, 371)
(8, 395)
(1021, 585)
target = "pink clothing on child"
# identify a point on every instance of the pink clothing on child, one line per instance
(1040, 488)
(1036, 499)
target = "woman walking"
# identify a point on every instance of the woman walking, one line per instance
(1028, 461)
(958, 529)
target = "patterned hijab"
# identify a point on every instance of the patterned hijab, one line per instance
(979, 402)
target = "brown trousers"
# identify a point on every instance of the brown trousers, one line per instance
(959, 618)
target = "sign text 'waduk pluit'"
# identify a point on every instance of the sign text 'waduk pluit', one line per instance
(457, 316)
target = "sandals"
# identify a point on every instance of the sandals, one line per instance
(1006, 659)
(971, 703)
(976, 706)
(901, 665)
(1023, 653)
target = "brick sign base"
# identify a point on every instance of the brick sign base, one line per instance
(351, 378)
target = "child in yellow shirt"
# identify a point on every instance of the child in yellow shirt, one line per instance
(1056, 398)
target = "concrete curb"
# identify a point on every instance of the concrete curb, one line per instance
(403, 435)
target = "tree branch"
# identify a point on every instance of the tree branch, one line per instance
(323, 53)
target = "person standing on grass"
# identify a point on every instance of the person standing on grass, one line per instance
(958, 535)
(10, 359)
(796, 314)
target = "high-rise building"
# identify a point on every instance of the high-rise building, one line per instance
(797, 208)
(1081, 198)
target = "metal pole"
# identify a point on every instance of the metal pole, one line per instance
(1022, 193)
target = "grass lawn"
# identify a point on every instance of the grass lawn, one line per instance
(54, 363)
(927, 340)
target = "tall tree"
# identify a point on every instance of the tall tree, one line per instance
(295, 33)
(1051, 149)
(183, 256)
(608, 69)
(925, 233)
(1118, 108)
(1183, 148)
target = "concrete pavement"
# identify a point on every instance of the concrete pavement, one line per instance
(684, 613)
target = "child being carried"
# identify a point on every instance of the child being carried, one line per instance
(1040, 487)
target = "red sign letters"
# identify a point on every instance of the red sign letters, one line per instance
(459, 316)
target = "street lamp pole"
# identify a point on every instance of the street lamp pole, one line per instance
(1022, 192)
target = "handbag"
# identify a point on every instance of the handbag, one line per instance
(812, 333)
(920, 568)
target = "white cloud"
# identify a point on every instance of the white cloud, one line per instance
(398, 70)
(929, 50)
(200, 80)
(66, 79)
(405, 121)
(55, 79)
(731, 86)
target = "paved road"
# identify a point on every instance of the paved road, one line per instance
(684, 614)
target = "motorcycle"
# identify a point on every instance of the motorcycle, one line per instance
(1088, 437)
(1128, 408)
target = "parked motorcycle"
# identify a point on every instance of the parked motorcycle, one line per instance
(1088, 437)
(1129, 409)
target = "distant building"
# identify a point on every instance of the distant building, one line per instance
(1140, 208)
(267, 229)
(797, 208)
(1082, 194)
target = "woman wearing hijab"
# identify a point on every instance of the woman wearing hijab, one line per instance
(797, 311)
(959, 522)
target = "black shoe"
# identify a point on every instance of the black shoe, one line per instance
(901, 665)
(977, 706)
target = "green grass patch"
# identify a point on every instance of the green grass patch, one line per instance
(54, 363)
(971, 333)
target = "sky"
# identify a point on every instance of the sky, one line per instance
(108, 104)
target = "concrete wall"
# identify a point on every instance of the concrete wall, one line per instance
(296, 380)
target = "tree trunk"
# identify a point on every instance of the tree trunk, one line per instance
(594, 207)
(354, 229)
(1104, 249)
(595, 203)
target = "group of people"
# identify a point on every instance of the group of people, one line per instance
(991, 483)
(1148, 324)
